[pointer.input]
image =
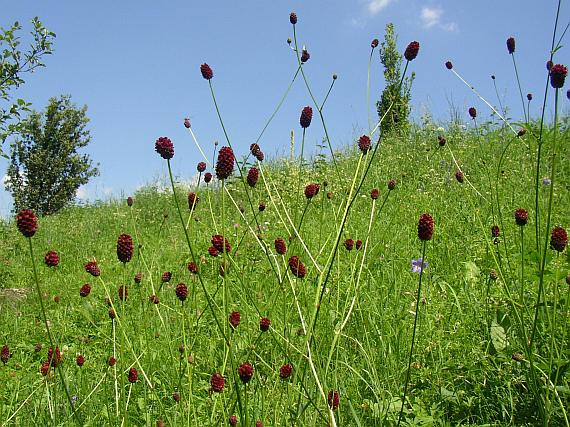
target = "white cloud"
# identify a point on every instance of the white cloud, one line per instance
(375, 6)
(81, 193)
(431, 17)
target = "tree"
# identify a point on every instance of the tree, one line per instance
(14, 64)
(395, 94)
(45, 168)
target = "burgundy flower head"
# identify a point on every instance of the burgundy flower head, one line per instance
(529, 96)
(358, 244)
(217, 382)
(252, 176)
(285, 371)
(124, 248)
(245, 372)
(201, 167)
(111, 361)
(80, 360)
(459, 176)
(558, 74)
(154, 299)
(138, 278)
(374, 194)
(293, 18)
(207, 177)
(133, 375)
(130, 201)
(85, 290)
(333, 399)
(123, 293)
(218, 241)
(164, 147)
(187, 123)
(306, 117)
(280, 246)
(448, 65)
(311, 190)
(264, 324)
(181, 291)
(441, 140)
(234, 318)
(261, 207)
(213, 251)
(349, 244)
(51, 259)
(374, 44)
(232, 420)
(112, 314)
(298, 269)
(472, 112)
(521, 217)
(558, 239)
(44, 369)
(549, 65)
(364, 144)
(412, 51)
(511, 45)
(206, 71)
(27, 222)
(225, 163)
(392, 184)
(5, 354)
(93, 269)
(305, 55)
(54, 357)
(495, 231)
(193, 200)
(166, 276)
(425, 227)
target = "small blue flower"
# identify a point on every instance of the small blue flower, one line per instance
(74, 398)
(546, 181)
(418, 265)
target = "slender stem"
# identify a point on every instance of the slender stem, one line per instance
(413, 333)
(521, 300)
(520, 89)
(368, 90)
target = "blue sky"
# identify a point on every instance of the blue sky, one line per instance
(135, 64)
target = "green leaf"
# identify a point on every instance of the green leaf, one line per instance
(498, 336)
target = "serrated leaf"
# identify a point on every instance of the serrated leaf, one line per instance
(471, 272)
(498, 336)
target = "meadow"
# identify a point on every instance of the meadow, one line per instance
(406, 279)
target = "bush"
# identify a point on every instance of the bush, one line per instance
(45, 169)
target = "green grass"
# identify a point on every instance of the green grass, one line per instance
(469, 326)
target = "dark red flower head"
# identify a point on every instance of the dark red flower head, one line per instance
(472, 112)
(425, 227)
(568, 94)
(364, 144)
(44, 369)
(392, 184)
(51, 259)
(111, 361)
(218, 241)
(181, 291)
(495, 231)
(124, 248)
(448, 65)
(549, 65)
(280, 246)
(206, 71)
(412, 51)
(252, 176)
(264, 324)
(232, 420)
(511, 45)
(112, 314)
(305, 55)
(306, 117)
(297, 267)
(441, 140)
(192, 267)
(130, 201)
(521, 217)
(349, 244)
(374, 194)
(213, 251)
(5, 354)
(333, 399)
(558, 239)
(261, 206)
(358, 244)
(154, 299)
(166, 276)
(54, 357)
(259, 423)
(85, 290)
(201, 167)
(138, 278)
(374, 44)
(529, 96)
(225, 163)
(187, 123)
(123, 293)
(285, 371)
(293, 18)
(521, 132)
(176, 396)
(133, 375)
(234, 318)
(558, 74)
(27, 222)
(311, 190)
(80, 360)
(459, 176)
(164, 147)
(193, 200)
(245, 372)
(207, 177)
(217, 382)
(92, 268)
